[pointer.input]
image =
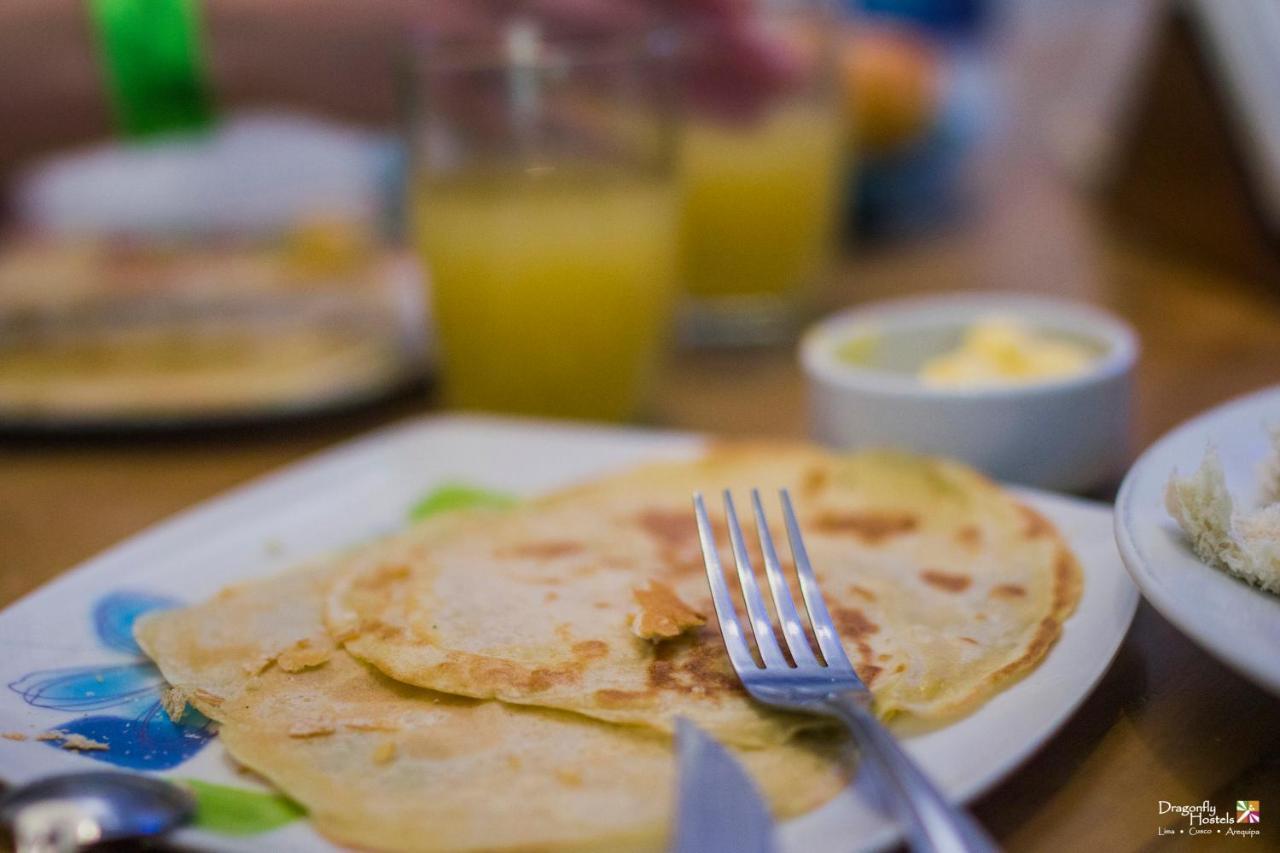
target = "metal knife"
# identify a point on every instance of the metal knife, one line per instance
(718, 807)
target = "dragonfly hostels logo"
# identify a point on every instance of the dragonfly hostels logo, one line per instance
(1205, 818)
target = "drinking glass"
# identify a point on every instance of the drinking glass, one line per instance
(544, 205)
(761, 180)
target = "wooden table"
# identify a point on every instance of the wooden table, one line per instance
(1167, 722)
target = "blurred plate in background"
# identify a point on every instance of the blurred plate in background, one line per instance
(94, 336)
(251, 272)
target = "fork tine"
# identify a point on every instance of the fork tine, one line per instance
(757, 610)
(823, 629)
(730, 628)
(792, 624)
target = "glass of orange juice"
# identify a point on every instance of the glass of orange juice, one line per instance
(761, 183)
(544, 205)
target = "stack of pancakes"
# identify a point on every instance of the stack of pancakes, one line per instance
(493, 679)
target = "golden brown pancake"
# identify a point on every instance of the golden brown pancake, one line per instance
(942, 586)
(379, 764)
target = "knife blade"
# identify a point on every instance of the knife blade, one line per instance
(718, 807)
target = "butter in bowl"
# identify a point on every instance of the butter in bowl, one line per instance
(1030, 389)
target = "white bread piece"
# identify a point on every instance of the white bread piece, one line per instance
(1245, 544)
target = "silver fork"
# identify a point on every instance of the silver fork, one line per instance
(828, 686)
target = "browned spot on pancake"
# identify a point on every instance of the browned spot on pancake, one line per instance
(602, 605)
(569, 778)
(623, 698)
(883, 656)
(381, 630)
(852, 623)
(384, 752)
(676, 535)
(1046, 633)
(551, 596)
(306, 653)
(696, 664)
(514, 762)
(814, 481)
(1035, 524)
(861, 591)
(970, 536)
(544, 678)
(980, 617)
(564, 632)
(260, 663)
(661, 614)
(467, 668)
(662, 674)
(854, 626)
(384, 575)
(678, 565)
(539, 580)
(670, 528)
(871, 527)
(970, 640)
(211, 699)
(1008, 590)
(590, 649)
(342, 634)
(367, 725)
(547, 550)
(1066, 577)
(945, 580)
(311, 728)
(867, 672)
(902, 667)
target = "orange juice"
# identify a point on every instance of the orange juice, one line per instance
(760, 201)
(552, 292)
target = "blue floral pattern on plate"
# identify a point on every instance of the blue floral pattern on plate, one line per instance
(139, 733)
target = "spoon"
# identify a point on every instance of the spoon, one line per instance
(61, 814)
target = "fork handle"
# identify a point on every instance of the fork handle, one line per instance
(931, 824)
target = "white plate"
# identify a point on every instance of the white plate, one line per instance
(363, 489)
(386, 348)
(1238, 623)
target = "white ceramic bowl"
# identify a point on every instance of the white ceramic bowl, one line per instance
(1069, 434)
